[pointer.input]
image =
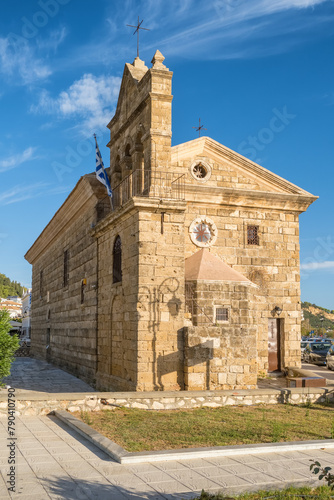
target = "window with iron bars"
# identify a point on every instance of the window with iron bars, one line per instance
(65, 269)
(117, 260)
(221, 314)
(253, 235)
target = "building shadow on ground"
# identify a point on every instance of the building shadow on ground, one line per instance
(30, 374)
(80, 489)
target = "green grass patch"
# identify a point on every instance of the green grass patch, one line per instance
(143, 430)
(292, 493)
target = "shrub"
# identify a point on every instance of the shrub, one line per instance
(8, 345)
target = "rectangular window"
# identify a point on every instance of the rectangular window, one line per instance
(221, 314)
(253, 235)
(41, 284)
(82, 294)
(65, 267)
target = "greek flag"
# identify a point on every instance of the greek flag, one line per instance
(100, 172)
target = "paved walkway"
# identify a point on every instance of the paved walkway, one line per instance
(54, 462)
(29, 374)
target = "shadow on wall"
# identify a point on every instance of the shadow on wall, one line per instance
(152, 302)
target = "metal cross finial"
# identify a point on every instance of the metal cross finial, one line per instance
(199, 128)
(138, 27)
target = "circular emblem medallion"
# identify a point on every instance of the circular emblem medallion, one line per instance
(200, 170)
(203, 231)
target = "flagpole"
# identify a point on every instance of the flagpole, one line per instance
(104, 173)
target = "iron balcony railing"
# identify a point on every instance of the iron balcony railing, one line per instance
(157, 184)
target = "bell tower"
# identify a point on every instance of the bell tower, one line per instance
(140, 131)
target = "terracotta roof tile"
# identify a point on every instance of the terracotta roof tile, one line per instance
(203, 265)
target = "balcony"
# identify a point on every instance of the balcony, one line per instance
(158, 184)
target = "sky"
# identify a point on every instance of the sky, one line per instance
(237, 64)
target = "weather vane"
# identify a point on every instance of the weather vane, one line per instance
(199, 128)
(138, 27)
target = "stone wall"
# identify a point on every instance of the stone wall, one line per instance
(141, 318)
(117, 303)
(161, 297)
(273, 266)
(222, 356)
(39, 405)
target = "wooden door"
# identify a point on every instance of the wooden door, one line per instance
(273, 345)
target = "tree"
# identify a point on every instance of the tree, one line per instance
(8, 287)
(8, 345)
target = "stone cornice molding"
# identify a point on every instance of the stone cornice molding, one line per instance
(72, 208)
(134, 203)
(248, 199)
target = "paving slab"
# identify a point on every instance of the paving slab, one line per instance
(79, 470)
(38, 376)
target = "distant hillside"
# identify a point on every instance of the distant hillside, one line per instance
(313, 315)
(8, 287)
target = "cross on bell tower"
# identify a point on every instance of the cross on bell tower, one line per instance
(138, 27)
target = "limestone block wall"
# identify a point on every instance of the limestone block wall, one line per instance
(273, 265)
(140, 345)
(161, 297)
(222, 356)
(64, 317)
(117, 303)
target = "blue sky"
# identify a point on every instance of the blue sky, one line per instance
(236, 64)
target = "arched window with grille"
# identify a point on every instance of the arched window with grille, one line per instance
(117, 260)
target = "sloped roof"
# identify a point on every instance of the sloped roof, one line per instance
(203, 265)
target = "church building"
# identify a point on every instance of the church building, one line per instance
(190, 281)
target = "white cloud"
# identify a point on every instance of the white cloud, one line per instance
(17, 159)
(313, 266)
(51, 44)
(228, 29)
(19, 62)
(91, 99)
(289, 4)
(21, 193)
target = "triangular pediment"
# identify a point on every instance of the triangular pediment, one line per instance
(232, 170)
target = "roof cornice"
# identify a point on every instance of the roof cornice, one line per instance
(82, 194)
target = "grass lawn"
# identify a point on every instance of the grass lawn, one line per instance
(143, 430)
(304, 493)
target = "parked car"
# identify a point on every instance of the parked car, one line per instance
(303, 345)
(316, 352)
(330, 358)
(309, 342)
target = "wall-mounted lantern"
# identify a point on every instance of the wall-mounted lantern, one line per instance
(277, 310)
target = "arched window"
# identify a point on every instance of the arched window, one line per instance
(117, 260)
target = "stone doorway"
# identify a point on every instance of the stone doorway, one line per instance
(274, 345)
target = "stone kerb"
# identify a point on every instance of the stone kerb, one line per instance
(42, 404)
